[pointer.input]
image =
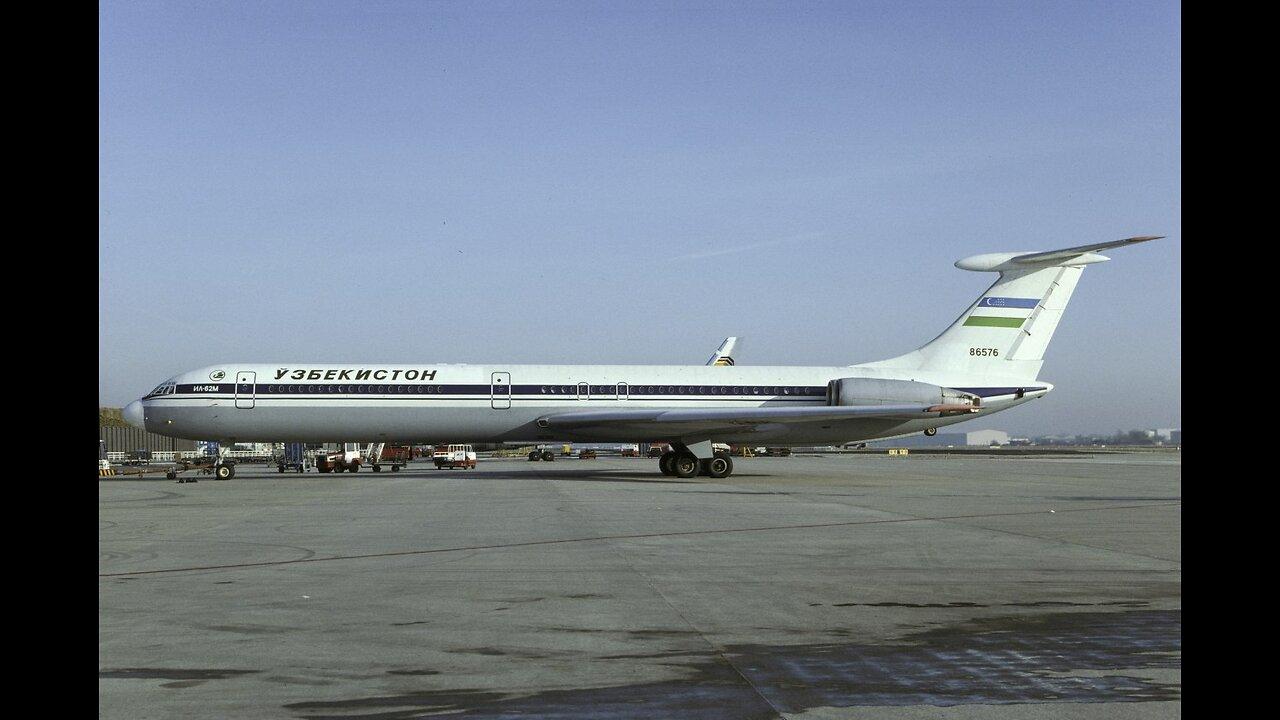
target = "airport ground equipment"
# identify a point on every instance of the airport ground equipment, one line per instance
(104, 465)
(214, 463)
(392, 456)
(294, 457)
(348, 459)
(587, 454)
(454, 456)
(541, 453)
(141, 456)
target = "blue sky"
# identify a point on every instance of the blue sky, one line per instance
(623, 183)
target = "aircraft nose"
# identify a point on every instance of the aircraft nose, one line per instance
(133, 414)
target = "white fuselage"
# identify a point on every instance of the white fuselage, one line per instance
(438, 403)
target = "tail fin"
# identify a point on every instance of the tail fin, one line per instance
(724, 354)
(1003, 335)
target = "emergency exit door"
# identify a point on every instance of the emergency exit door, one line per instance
(246, 389)
(500, 391)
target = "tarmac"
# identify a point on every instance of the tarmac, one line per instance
(801, 587)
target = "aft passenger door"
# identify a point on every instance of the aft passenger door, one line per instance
(246, 389)
(500, 391)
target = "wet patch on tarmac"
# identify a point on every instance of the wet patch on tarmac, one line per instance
(1080, 657)
(173, 673)
(960, 604)
(251, 629)
(1116, 498)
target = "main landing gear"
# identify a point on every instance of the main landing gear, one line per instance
(684, 464)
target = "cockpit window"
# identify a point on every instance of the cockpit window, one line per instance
(167, 388)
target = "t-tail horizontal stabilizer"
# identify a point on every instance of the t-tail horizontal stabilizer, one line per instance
(1081, 255)
(1001, 339)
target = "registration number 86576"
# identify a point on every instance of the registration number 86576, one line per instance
(984, 352)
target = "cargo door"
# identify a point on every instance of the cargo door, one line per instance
(500, 391)
(246, 389)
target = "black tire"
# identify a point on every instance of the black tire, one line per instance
(171, 475)
(534, 456)
(280, 468)
(354, 467)
(395, 468)
(377, 468)
(664, 463)
(548, 456)
(300, 468)
(225, 472)
(720, 466)
(686, 466)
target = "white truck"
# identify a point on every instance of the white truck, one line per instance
(454, 456)
(348, 458)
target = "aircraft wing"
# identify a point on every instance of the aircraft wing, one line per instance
(660, 422)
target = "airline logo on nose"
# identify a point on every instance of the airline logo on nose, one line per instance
(217, 375)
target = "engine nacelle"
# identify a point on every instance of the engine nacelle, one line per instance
(874, 391)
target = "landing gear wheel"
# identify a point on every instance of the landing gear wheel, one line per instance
(664, 463)
(377, 468)
(720, 466)
(226, 472)
(548, 456)
(686, 466)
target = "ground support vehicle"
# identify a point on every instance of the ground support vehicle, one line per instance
(293, 457)
(347, 459)
(453, 457)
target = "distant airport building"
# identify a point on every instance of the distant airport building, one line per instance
(128, 439)
(987, 438)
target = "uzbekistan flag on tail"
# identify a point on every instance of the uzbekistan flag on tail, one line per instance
(1001, 312)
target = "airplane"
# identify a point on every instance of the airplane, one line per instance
(723, 356)
(987, 361)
